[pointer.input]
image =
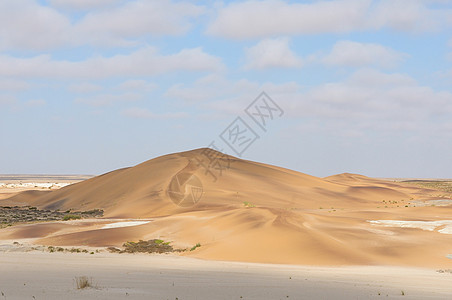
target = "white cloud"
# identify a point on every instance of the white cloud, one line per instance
(208, 88)
(84, 87)
(143, 113)
(143, 62)
(354, 54)
(82, 4)
(251, 19)
(213, 87)
(125, 24)
(367, 100)
(373, 100)
(28, 26)
(408, 16)
(13, 85)
(215, 93)
(108, 99)
(272, 53)
(137, 84)
(269, 18)
(25, 25)
(374, 78)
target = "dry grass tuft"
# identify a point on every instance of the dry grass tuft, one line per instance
(83, 282)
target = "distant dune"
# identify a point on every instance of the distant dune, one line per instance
(250, 212)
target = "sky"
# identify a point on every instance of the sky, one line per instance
(364, 87)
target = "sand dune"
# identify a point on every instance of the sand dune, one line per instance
(252, 212)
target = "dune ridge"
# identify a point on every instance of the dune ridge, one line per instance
(252, 212)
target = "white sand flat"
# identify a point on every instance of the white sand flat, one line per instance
(424, 225)
(124, 224)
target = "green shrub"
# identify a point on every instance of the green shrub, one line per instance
(71, 217)
(195, 246)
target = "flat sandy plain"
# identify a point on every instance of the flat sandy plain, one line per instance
(38, 275)
(265, 233)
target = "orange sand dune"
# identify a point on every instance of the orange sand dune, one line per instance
(251, 212)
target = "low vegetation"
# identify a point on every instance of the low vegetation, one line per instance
(195, 246)
(12, 215)
(71, 217)
(53, 249)
(440, 185)
(150, 246)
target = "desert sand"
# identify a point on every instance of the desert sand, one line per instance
(346, 235)
(38, 275)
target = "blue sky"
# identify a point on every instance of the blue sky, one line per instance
(90, 86)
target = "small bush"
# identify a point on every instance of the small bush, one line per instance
(113, 250)
(83, 282)
(195, 246)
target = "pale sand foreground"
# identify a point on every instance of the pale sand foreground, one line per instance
(51, 276)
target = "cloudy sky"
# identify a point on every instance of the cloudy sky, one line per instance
(90, 86)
